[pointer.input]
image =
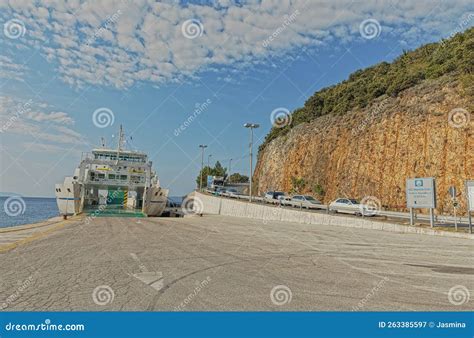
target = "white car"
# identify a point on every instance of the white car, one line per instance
(273, 196)
(305, 201)
(220, 191)
(285, 200)
(350, 206)
(231, 192)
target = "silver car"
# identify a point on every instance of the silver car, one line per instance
(285, 200)
(273, 196)
(305, 201)
(220, 191)
(231, 192)
(350, 206)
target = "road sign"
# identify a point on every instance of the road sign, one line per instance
(421, 192)
(470, 194)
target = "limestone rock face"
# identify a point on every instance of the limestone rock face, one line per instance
(426, 131)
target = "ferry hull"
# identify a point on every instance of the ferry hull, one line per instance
(68, 197)
(155, 201)
(69, 201)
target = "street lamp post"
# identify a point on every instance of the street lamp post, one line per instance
(251, 126)
(202, 146)
(228, 174)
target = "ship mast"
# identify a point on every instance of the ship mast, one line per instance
(120, 140)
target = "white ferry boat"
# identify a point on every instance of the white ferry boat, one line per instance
(112, 179)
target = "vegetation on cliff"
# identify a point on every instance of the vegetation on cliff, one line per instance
(431, 61)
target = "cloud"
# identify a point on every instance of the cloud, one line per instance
(56, 117)
(28, 118)
(43, 147)
(118, 42)
(10, 70)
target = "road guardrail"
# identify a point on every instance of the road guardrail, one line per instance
(325, 207)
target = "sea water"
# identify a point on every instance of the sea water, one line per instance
(25, 210)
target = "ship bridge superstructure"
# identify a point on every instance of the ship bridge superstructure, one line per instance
(107, 167)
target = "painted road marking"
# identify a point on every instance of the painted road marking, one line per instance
(27, 239)
(152, 278)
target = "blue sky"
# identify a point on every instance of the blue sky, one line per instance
(152, 64)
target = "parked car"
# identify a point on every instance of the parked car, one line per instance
(285, 200)
(273, 196)
(305, 201)
(220, 191)
(173, 208)
(231, 192)
(350, 206)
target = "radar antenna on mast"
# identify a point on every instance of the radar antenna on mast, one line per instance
(120, 141)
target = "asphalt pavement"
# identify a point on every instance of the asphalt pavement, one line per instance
(219, 263)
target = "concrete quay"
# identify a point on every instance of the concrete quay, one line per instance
(220, 263)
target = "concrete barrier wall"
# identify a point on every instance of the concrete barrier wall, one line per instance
(207, 204)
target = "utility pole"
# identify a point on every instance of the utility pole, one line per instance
(202, 146)
(251, 126)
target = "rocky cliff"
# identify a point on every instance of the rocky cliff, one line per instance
(423, 131)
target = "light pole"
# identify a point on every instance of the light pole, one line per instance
(228, 174)
(202, 146)
(251, 126)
